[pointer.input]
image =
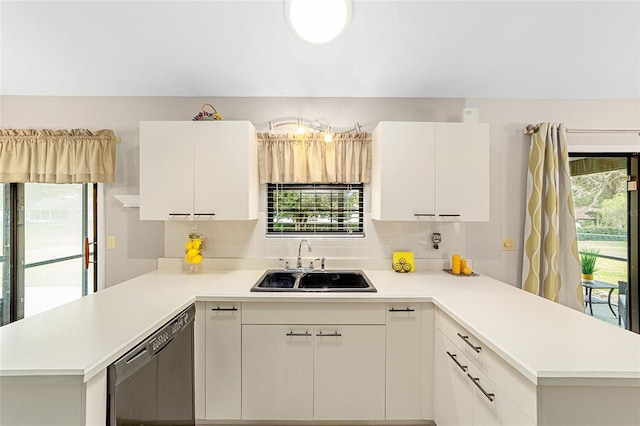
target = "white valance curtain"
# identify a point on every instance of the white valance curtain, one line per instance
(57, 156)
(309, 159)
(550, 266)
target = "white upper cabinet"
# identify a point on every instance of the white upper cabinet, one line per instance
(200, 170)
(434, 171)
(462, 171)
(403, 170)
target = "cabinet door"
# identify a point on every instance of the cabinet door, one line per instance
(452, 389)
(277, 372)
(166, 168)
(226, 180)
(462, 171)
(493, 409)
(223, 361)
(349, 374)
(403, 171)
(403, 361)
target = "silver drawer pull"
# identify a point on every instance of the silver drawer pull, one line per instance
(455, 359)
(466, 340)
(336, 334)
(476, 381)
(402, 310)
(224, 309)
(305, 334)
(424, 214)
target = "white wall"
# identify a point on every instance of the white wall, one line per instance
(140, 243)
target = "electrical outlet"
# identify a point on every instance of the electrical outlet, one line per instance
(508, 244)
(111, 242)
(386, 243)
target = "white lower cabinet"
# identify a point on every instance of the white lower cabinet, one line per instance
(348, 373)
(404, 361)
(223, 368)
(495, 408)
(277, 372)
(466, 396)
(313, 372)
(452, 402)
(471, 381)
(313, 361)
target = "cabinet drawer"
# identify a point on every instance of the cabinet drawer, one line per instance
(520, 390)
(313, 313)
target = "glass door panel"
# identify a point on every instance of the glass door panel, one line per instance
(599, 186)
(55, 228)
(50, 285)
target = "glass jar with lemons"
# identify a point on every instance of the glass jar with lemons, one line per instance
(193, 250)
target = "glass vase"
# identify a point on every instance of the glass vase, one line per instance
(193, 252)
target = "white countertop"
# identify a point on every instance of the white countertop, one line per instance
(546, 342)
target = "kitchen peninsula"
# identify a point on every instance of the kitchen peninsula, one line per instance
(552, 365)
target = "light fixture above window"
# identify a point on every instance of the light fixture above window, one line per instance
(301, 127)
(318, 21)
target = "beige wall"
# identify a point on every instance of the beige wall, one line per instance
(140, 243)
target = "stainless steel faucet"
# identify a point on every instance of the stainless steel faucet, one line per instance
(299, 262)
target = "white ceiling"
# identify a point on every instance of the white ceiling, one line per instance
(473, 49)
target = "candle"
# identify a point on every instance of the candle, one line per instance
(463, 264)
(455, 264)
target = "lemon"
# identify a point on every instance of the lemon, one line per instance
(196, 244)
(192, 253)
(188, 246)
(196, 259)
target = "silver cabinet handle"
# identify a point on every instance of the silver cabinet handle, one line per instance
(402, 310)
(455, 359)
(449, 215)
(335, 334)
(305, 334)
(466, 340)
(476, 381)
(424, 214)
(224, 309)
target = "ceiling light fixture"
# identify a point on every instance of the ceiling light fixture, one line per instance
(318, 21)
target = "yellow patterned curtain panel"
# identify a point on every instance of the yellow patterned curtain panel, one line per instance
(551, 267)
(57, 156)
(309, 159)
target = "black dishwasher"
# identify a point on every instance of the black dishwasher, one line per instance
(153, 383)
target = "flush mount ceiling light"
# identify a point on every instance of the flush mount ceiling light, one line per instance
(318, 21)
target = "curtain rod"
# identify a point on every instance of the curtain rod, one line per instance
(531, 129)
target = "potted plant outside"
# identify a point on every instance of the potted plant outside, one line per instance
(588, 259)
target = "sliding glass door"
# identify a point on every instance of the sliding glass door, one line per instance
(47, 227)
(605, 217)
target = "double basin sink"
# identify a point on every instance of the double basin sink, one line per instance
(300, 280)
